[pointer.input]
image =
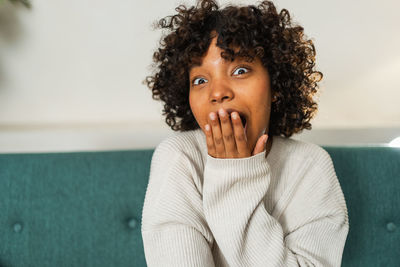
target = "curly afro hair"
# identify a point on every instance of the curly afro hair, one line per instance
(258, 31)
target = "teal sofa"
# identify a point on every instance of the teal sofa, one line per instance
(84, 208)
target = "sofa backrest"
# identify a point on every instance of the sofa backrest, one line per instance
(84, 208)
(370, 180)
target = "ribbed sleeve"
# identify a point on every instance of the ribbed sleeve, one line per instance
(174, 230)
(284, 210)
(247, 235)
(179, 245)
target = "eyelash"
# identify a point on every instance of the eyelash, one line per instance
(240, 67)
(243, 67)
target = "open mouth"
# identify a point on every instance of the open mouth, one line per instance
(243, 119)
(244, 122)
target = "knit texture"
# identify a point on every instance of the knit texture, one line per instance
(284, 210)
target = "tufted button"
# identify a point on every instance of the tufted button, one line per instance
(17, 227)
(391, 227)
(132, 223)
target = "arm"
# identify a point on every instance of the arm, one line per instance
(315, 216)
(174, 230)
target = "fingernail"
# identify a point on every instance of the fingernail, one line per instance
(222, 112)
(213, 116)
(207, 127)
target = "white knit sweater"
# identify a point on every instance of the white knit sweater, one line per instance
(284, 210)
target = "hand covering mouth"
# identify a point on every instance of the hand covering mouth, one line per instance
(242, 116)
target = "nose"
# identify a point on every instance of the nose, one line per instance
(221, 91)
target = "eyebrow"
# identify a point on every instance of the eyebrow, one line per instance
(237, 58)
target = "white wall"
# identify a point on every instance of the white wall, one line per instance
(71, 72)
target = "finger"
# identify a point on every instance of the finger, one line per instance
(260, 145)
(217, 136)
(241, 142)
(227, 134)
(209, 140)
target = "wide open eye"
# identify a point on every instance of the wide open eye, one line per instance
(240, 70)
(199, 79)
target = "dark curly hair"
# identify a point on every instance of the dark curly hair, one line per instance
(258, 31)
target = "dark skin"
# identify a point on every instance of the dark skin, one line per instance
(223, 139)
(218, 85)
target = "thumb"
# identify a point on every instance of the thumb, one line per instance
(260, 145)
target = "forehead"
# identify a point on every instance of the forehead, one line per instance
(214, 54)
(217, 58)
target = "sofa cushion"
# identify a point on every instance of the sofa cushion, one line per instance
(84, 208)
(72, 209)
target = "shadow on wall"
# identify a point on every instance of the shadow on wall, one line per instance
(10, 27)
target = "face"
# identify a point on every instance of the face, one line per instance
(238, 85)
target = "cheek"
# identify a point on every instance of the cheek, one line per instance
(262, 99)
(264, 93)
(192, 105)
(195, 111)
